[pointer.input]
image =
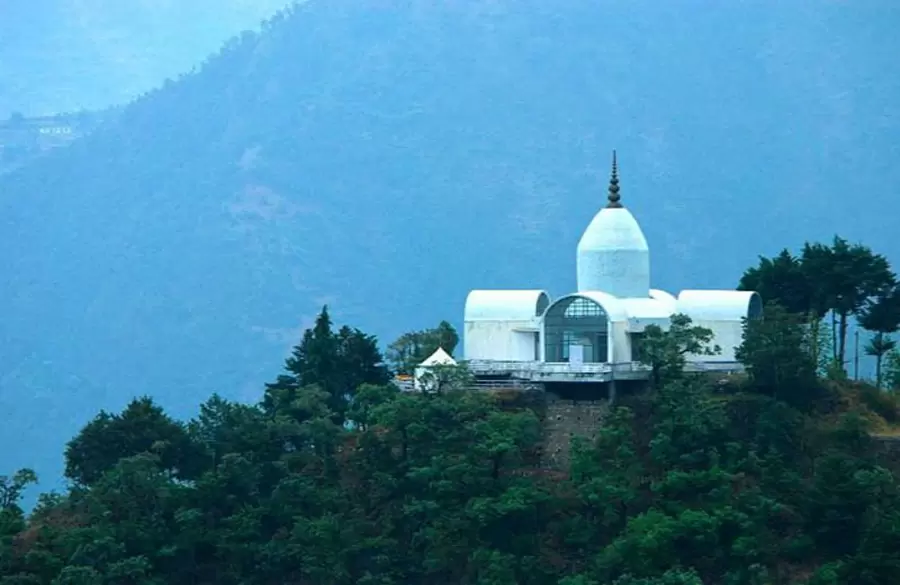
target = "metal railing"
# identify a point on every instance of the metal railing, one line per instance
(510, 367)
(525, 374)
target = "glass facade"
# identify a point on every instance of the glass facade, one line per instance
(576, 321)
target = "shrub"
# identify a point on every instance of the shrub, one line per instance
(885, 405)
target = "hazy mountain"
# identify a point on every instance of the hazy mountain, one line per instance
(387, 157)
(66, 55)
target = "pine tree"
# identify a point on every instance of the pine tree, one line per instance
(881, 315)
(334, 363)
(781, 279)
(851, 275)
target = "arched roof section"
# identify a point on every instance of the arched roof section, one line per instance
(610, 304)
(664, 297)
(648, 308)
(719, 305)
(506, 305)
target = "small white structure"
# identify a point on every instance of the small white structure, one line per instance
(600, 326)
(424, 374)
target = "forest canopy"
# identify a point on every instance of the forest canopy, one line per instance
(779, 475)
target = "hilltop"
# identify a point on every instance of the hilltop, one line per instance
(387, 161)
(333, 476)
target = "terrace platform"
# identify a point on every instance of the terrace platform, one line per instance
(542, 372)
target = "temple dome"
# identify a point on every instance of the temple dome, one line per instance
(613, 255)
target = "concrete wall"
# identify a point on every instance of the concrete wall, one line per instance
(566, 419)
(728, 336)
(619, 342)
(500, 340)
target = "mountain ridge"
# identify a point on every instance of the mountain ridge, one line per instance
(69, 55)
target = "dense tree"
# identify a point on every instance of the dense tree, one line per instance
(142, 427)
(666, 351)
(881, 314)
(849, 275)
(778, 362)
(783, 280)
(684, 485)
(410, 349)
(847, 280)
(707, 501)
(359, 360)
(335, 363)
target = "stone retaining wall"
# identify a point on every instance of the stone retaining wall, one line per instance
(566, 419)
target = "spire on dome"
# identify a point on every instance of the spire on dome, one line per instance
(614, 197)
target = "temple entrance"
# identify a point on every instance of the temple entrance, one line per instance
(576, 330)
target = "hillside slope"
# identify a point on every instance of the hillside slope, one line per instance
(385, 161)
(66, 55)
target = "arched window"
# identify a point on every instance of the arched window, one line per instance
(576, 324)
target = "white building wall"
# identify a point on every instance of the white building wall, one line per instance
(524, 345)
(666, 299)
(621, 273)
(721, 311)
(500, 340)
(619, 342)
(728, 335)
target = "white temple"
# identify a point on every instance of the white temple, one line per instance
(595, 333)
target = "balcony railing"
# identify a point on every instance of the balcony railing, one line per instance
(535, 369)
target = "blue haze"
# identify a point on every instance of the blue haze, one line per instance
(387, 160)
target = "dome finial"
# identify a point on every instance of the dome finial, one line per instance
(614, 197)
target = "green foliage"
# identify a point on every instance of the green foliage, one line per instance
(713, 499)
(335, 363)
(881, 314)
(819, 343)
(879, 346)
(783, 280)
(410, 349)
(446, 378)
(892, 371)
(881, 403)
(855, 275)
(142, 427)
(683, 485)
(11, 488)
(666, 351)
(775, 352)
(845, 279)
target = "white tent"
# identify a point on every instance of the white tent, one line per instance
(438, 358)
